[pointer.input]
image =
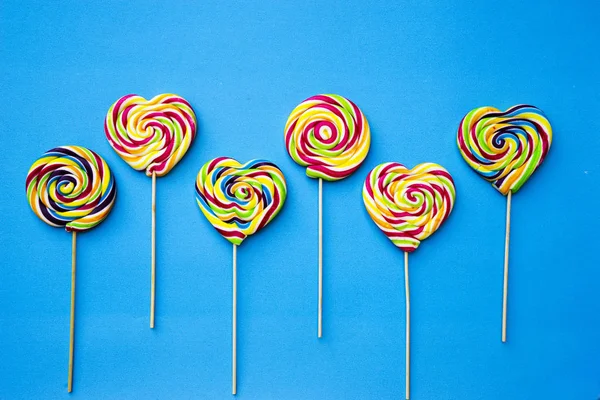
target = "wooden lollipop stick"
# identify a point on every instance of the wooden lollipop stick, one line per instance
(153, 273)
(72, 324)
(506, 247)
(320, 323)
(407, 292)
(234, 327)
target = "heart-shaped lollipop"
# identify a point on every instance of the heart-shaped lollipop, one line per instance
(505, 147)
(239, 199)
(151, 135)
(408, 205)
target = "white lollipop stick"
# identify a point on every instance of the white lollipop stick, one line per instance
(320, 323)
(505, 287)
(407, 301)
(153, 273)
(72, 323)
(234, 326)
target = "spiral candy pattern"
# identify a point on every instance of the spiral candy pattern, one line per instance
(151, 135)
(71, 186)
(329, 135)
(239, 199)
(505, 147)
(408, 205)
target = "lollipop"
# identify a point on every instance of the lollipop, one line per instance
(505, 148)
(408, 206)
(71, 187)
(239, 200)
(151, 135)
(330, 136)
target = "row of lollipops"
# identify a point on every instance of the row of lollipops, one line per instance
(73, 187)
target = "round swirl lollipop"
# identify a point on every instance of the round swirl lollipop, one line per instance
(152, 136)
(330, 136)
(408, 205)
(71, 187)
(238, 200)
(505, 148)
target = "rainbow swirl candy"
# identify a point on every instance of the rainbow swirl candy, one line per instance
(505, 147)
(408, 205)
(151, 134)
(239, 199)
(71, 186)
(329, 135)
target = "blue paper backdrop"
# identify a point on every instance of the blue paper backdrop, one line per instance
(415, 68)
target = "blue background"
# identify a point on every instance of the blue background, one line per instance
(414, 68)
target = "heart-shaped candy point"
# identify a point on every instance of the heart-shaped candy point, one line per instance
(151, 135)
(505, 147)
(239, 199)
(408, 205)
